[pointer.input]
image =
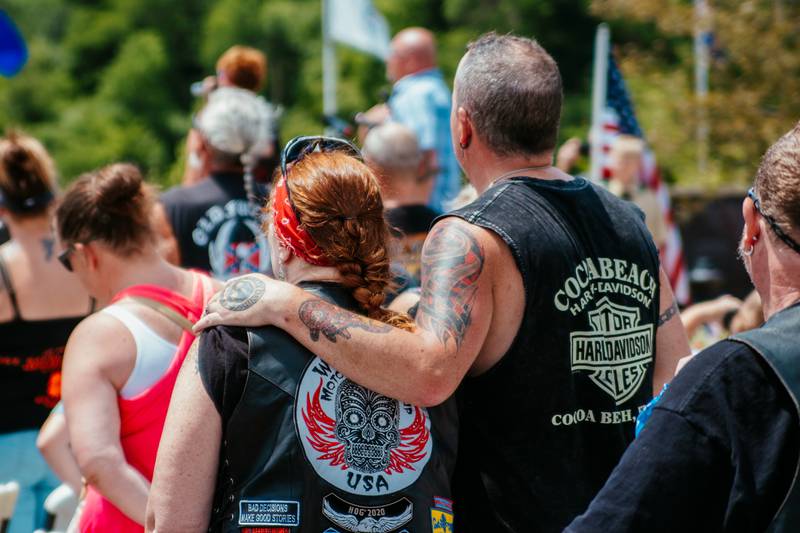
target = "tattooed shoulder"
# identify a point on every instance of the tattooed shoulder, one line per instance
(242, 293)
(333, 322)
(452, 262)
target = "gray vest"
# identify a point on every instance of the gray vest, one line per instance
(777, 342)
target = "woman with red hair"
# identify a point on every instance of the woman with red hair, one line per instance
(263, 434)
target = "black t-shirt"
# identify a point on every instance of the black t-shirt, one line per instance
(31, 352)
(718, 453)
(217, 229)
(409, 219)
(223, 367)
(544, 427)
(409, 225)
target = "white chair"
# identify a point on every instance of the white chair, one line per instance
(60, 506)
(8, 500)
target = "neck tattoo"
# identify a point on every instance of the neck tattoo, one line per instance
(518, 171)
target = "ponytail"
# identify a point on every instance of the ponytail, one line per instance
(337, 200)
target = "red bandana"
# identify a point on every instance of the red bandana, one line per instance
(289, 231)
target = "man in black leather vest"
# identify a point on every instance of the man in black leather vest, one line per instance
(542, 303)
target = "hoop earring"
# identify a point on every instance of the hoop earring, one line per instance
(463, 146)
(281, 270)
(749, 252)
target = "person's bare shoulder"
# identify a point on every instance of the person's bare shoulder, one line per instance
(103, 343)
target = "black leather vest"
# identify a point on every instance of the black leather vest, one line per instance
(306, 449)
(777, 342)
(542, 429)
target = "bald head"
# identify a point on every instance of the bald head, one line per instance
(413, 50)
(392, 149)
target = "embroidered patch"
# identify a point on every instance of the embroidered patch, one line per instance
(441, 521)
(269, 513)
(443, 504)
(357, 440)
(358, 518)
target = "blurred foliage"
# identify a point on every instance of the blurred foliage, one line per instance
(754, 80)
(109, 79)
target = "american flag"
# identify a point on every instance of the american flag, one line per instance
(620, 118)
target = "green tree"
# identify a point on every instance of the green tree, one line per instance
(754, 80)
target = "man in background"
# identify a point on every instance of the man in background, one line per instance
(392, 151)
(421, 100)
(625, 160)
(215, 224)
(246, 68)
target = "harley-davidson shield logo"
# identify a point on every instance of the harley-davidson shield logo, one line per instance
(616, 352)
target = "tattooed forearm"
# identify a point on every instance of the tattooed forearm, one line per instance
(332, 322)
(241, 293)
(452, 262)
(667, 315)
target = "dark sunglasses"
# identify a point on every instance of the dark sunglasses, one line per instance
(64, 259)
(300, 146)
(788, 241)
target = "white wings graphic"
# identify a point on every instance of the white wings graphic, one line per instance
(385, 524)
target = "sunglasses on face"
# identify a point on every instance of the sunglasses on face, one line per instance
(64, 259)
(788, 241)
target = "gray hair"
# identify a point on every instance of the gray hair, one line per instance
(392, 146)
(777, 181)
(511, 88)
(236, 121)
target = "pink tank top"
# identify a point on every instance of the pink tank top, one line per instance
(142, 417)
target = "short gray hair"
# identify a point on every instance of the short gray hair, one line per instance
(511, 88)
(777, 181)
(392, 146)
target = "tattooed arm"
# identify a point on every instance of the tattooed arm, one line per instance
(671, 341)
(422, 367)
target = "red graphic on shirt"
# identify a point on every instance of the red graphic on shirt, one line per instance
(403, 455)
(241, 257)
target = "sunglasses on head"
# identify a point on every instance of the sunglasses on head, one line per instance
(300, 146)
(64, 259)
(788, 241)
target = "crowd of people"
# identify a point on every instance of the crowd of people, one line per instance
(333, 337)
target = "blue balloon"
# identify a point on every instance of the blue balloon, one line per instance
(13, 52)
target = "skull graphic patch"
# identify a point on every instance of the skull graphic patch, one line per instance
(358, 440)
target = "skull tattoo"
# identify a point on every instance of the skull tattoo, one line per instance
(368, 426)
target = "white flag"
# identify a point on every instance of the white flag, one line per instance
(358, 24)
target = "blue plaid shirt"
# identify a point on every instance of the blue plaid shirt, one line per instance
(421, 101)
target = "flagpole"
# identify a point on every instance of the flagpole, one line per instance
(328, 64)
(599, 85)
(701, 61)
